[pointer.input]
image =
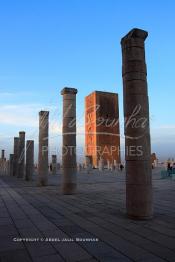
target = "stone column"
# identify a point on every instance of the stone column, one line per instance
(108, 165)
(2, 161)
(101, 164)
(69, 141)
(6, 167)
(54, 164)
(16, 156)
(29, 160)
(58, 166)
(2, 154)
(21, 159)
(88, 164)
(43, 148)
(137, 131)
(11, 159)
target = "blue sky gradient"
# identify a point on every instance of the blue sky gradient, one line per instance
(46, 45)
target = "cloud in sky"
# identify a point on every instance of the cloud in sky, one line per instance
(15, 115)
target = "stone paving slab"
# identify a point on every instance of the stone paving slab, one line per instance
(97, 211)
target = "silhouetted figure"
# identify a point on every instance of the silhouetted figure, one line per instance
(121, 167)
(169, 169)
(50, 167)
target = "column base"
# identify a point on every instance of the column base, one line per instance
(139, 217)
(42, 183)
(69, 188)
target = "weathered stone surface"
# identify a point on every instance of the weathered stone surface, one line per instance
(139, 201)
(69, 180)
(3, 163)
(136, 104)
(136, 127)
(69, 157)
(11, 159)
(95, 212)
(21, 159)
(69, 141)
(29, 160)
(101, 164)
(134, 76)
(102, 139)
(16, 156)
(43, 148)
(88, 163)
(137, 135)
(135, 87)
(138, 172)
(54, 164)
(134, 66)
(2, 154)
(137, 148)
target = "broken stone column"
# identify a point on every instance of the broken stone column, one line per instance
(54, 164)
(69, 141)
(137, 132)
(101, 164)
(43, 148)
(88, 164)
(29, 160)
(16, 156)
(2, 162)
(79, 167)
(58, 166)
(2, 154)
(108, 165)
(6, 167)
(21, 159)
(11, 159)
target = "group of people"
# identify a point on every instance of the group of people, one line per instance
(170, 168)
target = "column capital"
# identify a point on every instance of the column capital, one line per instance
(69, 90)
(21, 132)
(44, 113)
(30, 141)
(135, 33)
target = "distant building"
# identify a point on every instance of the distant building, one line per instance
(102, 139)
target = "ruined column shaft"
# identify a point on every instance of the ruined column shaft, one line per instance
(101, 164)
(21, 159)
(54, 164)
(137, 131)
(11, 159)
(69, 141)
(29, 160)
(43, 148)
(2, 154)
(2, 162)
(16, 156)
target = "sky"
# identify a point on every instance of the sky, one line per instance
(46, 45)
